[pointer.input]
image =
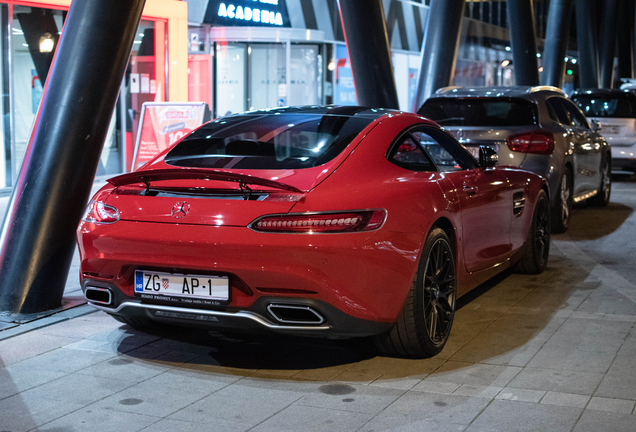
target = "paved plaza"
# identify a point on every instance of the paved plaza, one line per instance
(554, 352)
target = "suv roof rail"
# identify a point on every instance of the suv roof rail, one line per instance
(443, 90)
(546, 88)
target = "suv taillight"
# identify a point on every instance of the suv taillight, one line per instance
(99, 213)
(532, 142)
(314, 223)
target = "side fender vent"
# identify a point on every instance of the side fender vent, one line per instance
(518, 203)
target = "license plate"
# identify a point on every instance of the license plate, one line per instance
(150, 284)
(611, 130)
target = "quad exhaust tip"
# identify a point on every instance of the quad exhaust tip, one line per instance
(294, 314)
(102, 296)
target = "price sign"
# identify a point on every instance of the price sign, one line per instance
(162, 124)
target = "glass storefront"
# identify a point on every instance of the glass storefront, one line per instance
(263, 75)
(26, 52)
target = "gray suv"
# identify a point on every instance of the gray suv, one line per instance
(534, 128)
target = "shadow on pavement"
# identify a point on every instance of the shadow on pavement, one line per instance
(250, 352)
(593, 223)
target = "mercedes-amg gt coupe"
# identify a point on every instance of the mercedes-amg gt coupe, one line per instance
(322, 221)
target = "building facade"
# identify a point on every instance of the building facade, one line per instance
(238, 61)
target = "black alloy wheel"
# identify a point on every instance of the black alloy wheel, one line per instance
(563, 204)
(439, 292)
(425, 322)
(537, 247)
(602, 198)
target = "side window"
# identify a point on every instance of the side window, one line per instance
(552, 113)
(407, 154)
(578, 119)
(561, 113)
(446, 153)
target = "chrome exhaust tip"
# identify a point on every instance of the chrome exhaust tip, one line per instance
(102, 296)
(295, 314)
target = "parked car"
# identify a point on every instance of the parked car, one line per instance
(534, 128)
(321, 221)
(615, 111)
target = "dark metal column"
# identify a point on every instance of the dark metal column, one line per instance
(439, 48)
(369, 52)
(38, 237)
(625, 39)
(556, 42)
(586, 25)
(607, 43)
(523, 42)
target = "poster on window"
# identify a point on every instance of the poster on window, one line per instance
(162, 124)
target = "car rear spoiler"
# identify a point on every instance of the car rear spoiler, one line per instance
(196, 174)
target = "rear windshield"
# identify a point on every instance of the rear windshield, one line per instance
(269, 141)
(480, 111)
(619, 105)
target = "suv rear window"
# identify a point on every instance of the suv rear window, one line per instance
(480, 111)
(619, 105)
(269, 141)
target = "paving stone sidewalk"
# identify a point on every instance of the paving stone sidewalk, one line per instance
(554, 352)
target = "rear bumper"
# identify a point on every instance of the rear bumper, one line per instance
(357, 281)
(330, 322)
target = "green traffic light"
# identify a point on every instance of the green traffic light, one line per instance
(570, 72)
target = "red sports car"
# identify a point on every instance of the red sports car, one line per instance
(325, 221)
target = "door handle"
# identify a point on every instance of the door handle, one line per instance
(470, 190)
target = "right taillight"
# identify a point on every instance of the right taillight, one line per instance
(532, 142)
(99, 213)
(317, 223)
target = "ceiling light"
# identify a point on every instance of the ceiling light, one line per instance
(46, 43)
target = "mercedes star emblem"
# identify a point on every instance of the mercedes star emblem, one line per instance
(180, 209)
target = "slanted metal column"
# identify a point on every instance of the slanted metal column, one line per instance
(607, 43)
(37, 240)
(586, 32)
(439, 48)
(369, 51)
(523, 42)
(625, 39)
(556, 42)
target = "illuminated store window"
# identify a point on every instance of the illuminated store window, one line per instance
(6, 179)
(145, 81)
(305, 75)
(230, 78)
(34, 36)
(268, 84)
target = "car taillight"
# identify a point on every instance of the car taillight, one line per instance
(352, 221)
(532, 142)
(100, 213)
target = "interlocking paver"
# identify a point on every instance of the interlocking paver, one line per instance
(565, 399)
(513, 416)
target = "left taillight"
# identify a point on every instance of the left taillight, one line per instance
(99, 213)
(532, 142)
(316, 223)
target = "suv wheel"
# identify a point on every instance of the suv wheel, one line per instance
(563, 203)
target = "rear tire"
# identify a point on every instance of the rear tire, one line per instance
(537, 245)
(425, 322)
(602, 199)
(562, 210)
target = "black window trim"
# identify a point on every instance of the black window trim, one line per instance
(425, 128)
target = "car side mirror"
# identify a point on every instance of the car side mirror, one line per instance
(488, 158)
(596, 125)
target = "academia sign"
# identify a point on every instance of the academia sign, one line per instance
(248, 13)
